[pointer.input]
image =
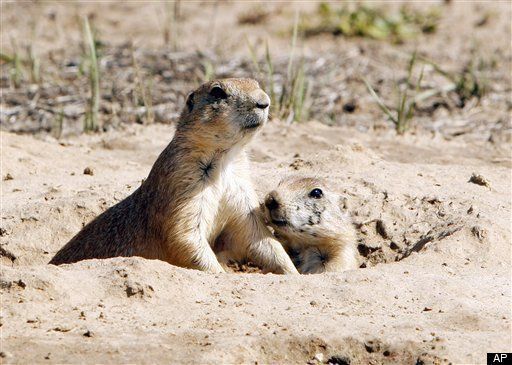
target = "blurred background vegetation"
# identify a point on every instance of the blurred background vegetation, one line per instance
(437, 67)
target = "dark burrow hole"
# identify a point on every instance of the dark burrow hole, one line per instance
(338, 360)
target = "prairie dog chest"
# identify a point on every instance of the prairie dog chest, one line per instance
(221, 199)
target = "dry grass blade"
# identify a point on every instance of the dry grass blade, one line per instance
(35, 65)
(467, 83)
(208, 70)
(254, 57)
(438, 68)
(406, 105)
(291, 101)
(16, 70)
(270, 69)
(172, 23)
(294, 44)
(380, 102)
(91, 118)
(144, 91)
(58, 124)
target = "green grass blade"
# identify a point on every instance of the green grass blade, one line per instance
(380, 103)
(270, 67)
(294, 43)
(93, 77)
(254, 57)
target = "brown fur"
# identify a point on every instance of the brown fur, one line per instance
(315, 232)
(197, 190)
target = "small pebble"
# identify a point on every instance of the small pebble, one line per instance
(479, 232)
(88, 171)
(479, 180)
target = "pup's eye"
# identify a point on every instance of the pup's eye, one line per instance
(218, 93)
(316, 193)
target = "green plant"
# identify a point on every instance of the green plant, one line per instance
(58, 124)
(16, 69)
(143, 90)
(34, 65)
(208, 70)
(172, 23)
(289, 101)
(364, 21)
(91, 116)
(403, 111)
(426, 21)
(467, 83)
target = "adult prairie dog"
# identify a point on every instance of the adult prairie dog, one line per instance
(198, 189)
(308, 220)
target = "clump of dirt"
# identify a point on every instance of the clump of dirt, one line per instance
(390, 228)
(243, 267)
(479, 180)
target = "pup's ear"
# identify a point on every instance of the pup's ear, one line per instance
(190, 101)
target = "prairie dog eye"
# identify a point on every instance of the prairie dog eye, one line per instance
(316, 193)
(218, 93)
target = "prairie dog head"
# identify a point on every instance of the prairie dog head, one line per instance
(304, 209)
(223, 113)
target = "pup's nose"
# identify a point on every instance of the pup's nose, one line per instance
(271, 203)
(262, 100)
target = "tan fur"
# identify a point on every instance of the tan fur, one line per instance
(315, 232)
(198, 189)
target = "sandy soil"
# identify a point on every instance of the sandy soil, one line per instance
(434, 284)
(446, 299)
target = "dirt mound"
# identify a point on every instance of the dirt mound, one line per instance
(436, 248)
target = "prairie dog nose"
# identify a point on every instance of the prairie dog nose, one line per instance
(271, 203)
(261, 98)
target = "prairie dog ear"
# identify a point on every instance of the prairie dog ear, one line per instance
(190, 101)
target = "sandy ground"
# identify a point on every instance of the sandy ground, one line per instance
(435, 249)
(447, 302)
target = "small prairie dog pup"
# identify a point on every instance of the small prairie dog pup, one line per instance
(198, 190)
(307, 218)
